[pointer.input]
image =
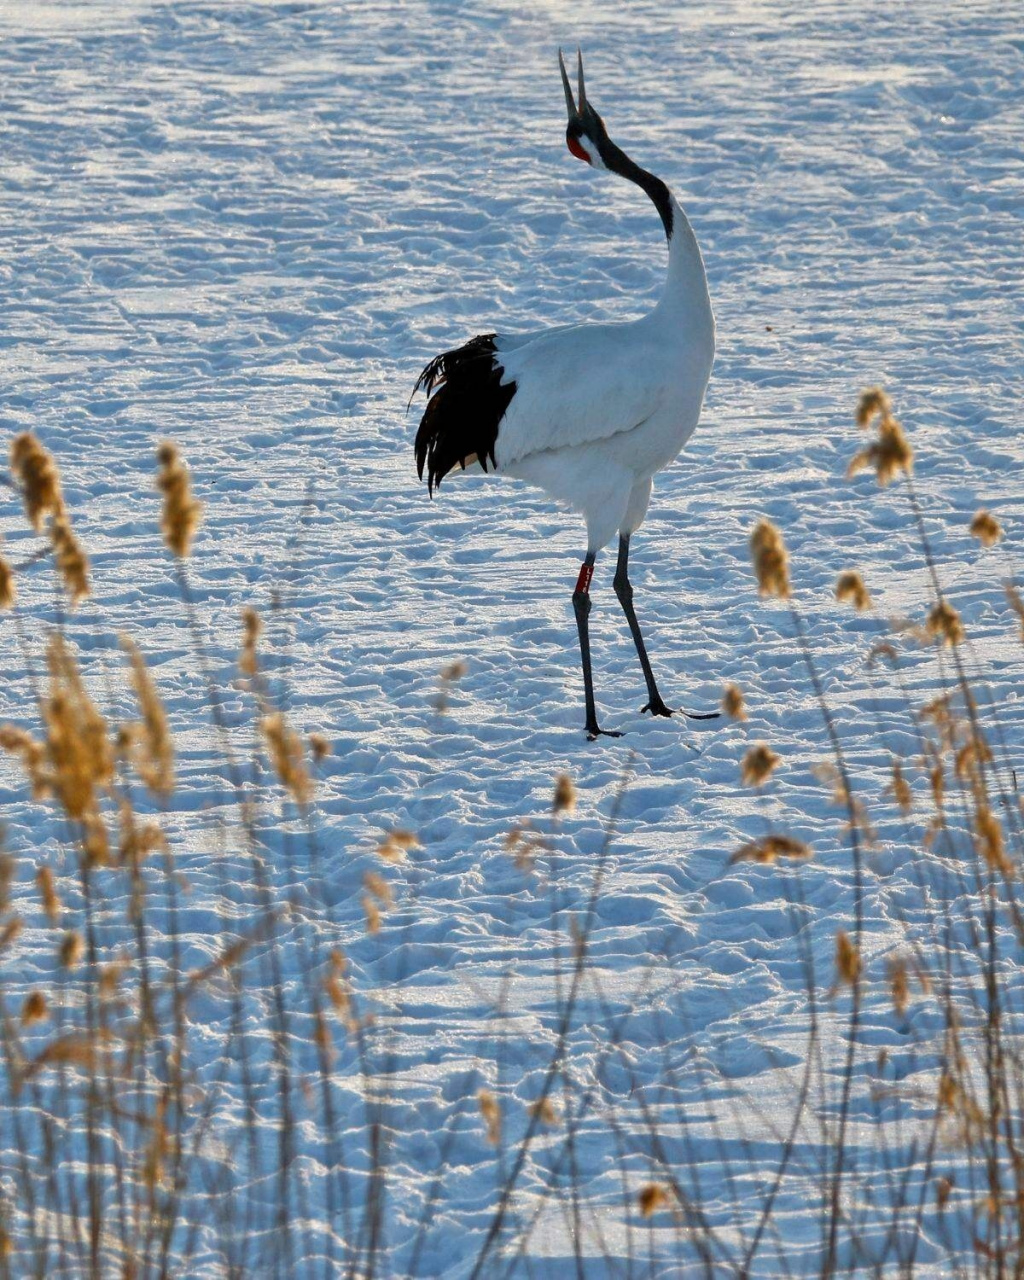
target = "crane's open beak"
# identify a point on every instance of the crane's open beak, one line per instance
(574, 111)
(585, 130)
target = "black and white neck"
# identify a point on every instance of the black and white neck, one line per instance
(602, 153)
(686, 283)
(587, 138)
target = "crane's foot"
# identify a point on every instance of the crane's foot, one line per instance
(594, 732)
(658, 708)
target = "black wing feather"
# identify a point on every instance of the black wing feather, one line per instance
(464, 411)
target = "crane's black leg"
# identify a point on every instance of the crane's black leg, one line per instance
(624, 590)
(581, 607)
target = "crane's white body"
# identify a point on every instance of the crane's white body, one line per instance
(590, 413)
(599, 409)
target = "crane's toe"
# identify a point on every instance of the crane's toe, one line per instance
(657, 708)
(593, 733)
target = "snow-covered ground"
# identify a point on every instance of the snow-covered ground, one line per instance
(247, 226)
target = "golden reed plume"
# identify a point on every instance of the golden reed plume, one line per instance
(732, 702)
(850, 588)
(35, 470)
(770, 560)
(182, 513)
(758, 765)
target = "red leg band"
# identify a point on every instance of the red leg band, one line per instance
(583, 581)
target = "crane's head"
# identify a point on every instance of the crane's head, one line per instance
(585, 135)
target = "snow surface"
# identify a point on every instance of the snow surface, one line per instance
(247, 226)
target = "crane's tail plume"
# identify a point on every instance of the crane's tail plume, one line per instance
(467, 403)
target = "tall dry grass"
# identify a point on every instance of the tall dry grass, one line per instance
(237, 1114)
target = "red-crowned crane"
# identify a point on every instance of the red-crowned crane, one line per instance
(588, 412)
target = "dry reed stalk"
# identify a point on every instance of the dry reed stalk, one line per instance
(767, 850)
(770, 560)
(76, 762)
(33, 756)
(943, 624)
(36, 472)
(758, 765)
(565, 797)
(8, 591)
(79, 751)
(946, 626)
(35, 1008)
(153, 752)
(1016, 603)
(872, 403)
(252, 629)
(969, 759)
(568, 1006)
(986, 528)
(733, 704)
(48, 894)
(848, 963)
(771, 569)
(449, 676)
(850, 587)
(899, 789)
(287, 757)
(71, 561)
(651, 1198)
(890, 454)
(491, 1113)
(545, 1111)
(371, 914)
(181, 513)
(396, 845)
(899, 984)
